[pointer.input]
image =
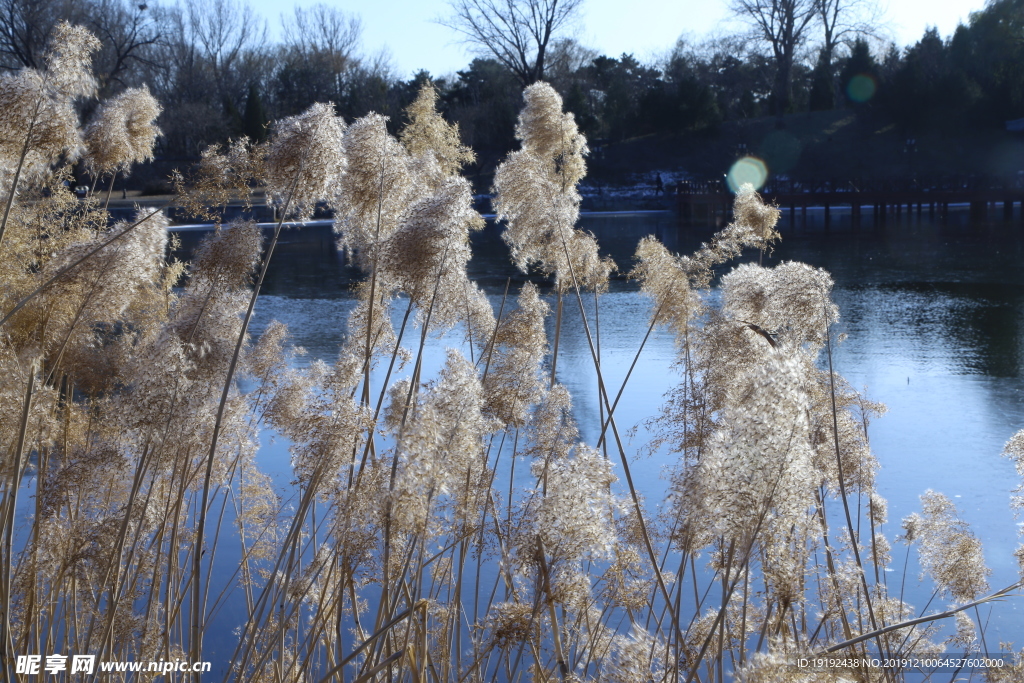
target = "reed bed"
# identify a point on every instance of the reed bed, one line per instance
(442, 528)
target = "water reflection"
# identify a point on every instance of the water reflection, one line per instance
(974, 328)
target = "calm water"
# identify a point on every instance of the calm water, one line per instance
(935, 323)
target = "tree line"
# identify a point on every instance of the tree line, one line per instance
(211, 64)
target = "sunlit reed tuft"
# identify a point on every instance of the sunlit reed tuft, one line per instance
(452, 520)
(122, 133)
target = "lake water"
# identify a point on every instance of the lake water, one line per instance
(935, 322)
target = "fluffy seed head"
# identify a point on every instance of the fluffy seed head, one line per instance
(49, 125)
(305, 159)
(38, 107)
(69, 60)
(574, 515)
(1014, 450)
(224, 173)
(536, 196)
(759, 460)
(376, 190)
(551, 134)
(663, 277)
(123, 132)
(753, 228)
(755, 216)
(513, 382)
(950, 552)
(433, 239)
(428, 134)
(791, 301)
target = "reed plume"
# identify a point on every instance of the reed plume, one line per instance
(449, 526)
(122, 133)
(535, 194)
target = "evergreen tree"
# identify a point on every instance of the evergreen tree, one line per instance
(822, 98)
(859, 76)
(232, 117)
(255, 120)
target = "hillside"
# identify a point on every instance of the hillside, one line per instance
(839, 145)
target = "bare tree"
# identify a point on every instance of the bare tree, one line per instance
(516, 32)
(223, 32)
(843, 21)
(25, 27)
(322, 28)
(324, 38)
(127, 30)
(212, 53)
(567, 56)
(784, 26)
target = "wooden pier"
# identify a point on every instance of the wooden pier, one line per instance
(711, 205)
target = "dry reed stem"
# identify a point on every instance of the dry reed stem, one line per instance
(577, 562)
(10, 502)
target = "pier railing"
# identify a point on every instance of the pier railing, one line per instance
(709, 202)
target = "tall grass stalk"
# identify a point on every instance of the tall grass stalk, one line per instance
(9, 510)
(17, 172)
(443, 525)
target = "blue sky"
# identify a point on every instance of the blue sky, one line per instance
(645, 28)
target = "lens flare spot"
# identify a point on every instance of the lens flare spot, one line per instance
(747, 170)
(861, 88)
